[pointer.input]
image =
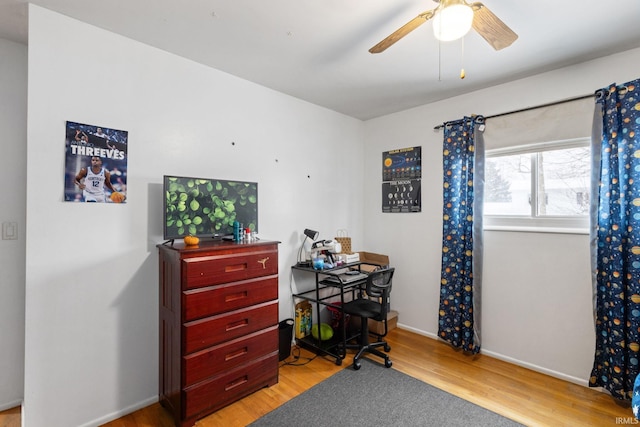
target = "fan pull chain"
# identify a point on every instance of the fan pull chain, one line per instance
(462, 73)
(439, 61)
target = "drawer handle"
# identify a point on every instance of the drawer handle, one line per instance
(236, 383)
(263, 261)
(239, 324)
(236, 296)
(238, 353)
(237, 267)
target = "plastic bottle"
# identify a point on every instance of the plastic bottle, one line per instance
(236, 231)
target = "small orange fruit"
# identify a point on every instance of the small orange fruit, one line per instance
(191, 240)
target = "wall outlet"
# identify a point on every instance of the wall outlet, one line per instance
(9, 230)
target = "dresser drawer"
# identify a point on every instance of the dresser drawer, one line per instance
(203, 333)
(224, 268)
(202, 302)
(212, 395)
(225, 357)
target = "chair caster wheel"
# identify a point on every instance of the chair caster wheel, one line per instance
(338, 361)
(388, 363)
(387, 349)
(356, 365)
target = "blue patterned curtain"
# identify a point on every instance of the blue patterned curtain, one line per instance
(615, 238)
(460, 284)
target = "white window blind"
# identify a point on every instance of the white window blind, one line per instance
(559, 122)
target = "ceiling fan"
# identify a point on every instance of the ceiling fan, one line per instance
(452, 19)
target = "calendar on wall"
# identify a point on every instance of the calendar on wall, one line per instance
(401, 180)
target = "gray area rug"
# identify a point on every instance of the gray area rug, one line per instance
(377, 396)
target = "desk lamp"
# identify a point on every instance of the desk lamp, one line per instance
(308, 234)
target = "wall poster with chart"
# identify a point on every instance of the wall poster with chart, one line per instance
(95, 164)
(401, 180)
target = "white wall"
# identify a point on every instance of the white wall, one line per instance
(13, 164)
(536, 295)
(91, 282)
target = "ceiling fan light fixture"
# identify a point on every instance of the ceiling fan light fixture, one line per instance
(452, 22)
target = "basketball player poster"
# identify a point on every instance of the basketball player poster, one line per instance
(95, 164)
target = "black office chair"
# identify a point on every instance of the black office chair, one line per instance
(374, 304)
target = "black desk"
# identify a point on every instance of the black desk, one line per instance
(343, 284)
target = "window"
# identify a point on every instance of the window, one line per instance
(540, 186)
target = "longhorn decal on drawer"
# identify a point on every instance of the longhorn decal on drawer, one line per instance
(263, 261)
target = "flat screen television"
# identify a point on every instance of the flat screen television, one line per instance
(206, 207)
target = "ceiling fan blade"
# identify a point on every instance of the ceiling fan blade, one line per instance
(403, 31)
(491, 28)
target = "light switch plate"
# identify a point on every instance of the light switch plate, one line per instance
(9, 230)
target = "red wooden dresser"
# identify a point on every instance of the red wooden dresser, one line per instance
(218, 324)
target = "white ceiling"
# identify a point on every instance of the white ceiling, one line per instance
(317, 50)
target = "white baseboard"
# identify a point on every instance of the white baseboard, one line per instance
(9, 405)
(551, 373)
(537, 368)
(417, 331)
(100, 421)
(121, 412)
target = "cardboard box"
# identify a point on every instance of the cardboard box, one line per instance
(349, 258)
(375, 260)
(303, 319)
(378, 327)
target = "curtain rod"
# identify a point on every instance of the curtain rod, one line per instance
(550, 104)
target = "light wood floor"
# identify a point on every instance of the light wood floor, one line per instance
(518, 393)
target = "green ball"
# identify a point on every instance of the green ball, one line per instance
(325, 330)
